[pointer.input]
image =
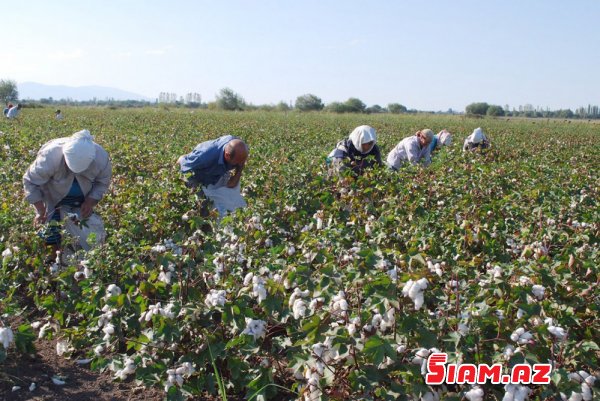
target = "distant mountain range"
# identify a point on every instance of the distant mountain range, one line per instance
(36, 91)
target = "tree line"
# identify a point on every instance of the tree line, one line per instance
(227, 99)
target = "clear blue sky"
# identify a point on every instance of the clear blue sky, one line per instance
(428, 55)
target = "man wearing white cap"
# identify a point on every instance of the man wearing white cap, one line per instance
(71, 173)
(413, 149)
(476, 140)
(358, 152)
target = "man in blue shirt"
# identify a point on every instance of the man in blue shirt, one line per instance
(217, 167)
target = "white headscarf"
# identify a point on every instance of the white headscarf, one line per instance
(363, 134)
(79, 151)
(445, 138)
(477, 135)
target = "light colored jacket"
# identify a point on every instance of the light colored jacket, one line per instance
(49, 179)
(13, 112)
(409, 150)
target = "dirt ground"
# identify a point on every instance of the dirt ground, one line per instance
(81, 383)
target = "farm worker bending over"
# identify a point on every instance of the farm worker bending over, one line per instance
(217, 166)
(6, 109)
(58, 115)
(358, 152)
(68, 178)
(476, 140)
(413, 149)
(14, 111)
(443, 138)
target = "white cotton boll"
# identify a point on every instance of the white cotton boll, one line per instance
(520, 313)
(248, 278)
(7, 253)
(165, 277)
(159, 248)
(376, 321)
(509, 351)
(109, 329)
(61, 347)
(475, 394)
(32, 387)
(6, 337)
(15, 388)
(368, 229)
(521, 336)
(419, 300)
(113, 290)
(400, 348)
(558, 332)
(319, 223)
(291, 250)
(98, 350)
(299, 309)
(393, 274)
(538, 291)
(463, 329)
(43, 330)
(78, 276)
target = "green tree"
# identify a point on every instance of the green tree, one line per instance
(282, 106)
(337, 107)
(309, 102)
(227, 99)
(8, 91)
(477, 108)
(355, 105)
(396, 108)
(375, 109)
(496, 111)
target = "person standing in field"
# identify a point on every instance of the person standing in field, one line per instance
(58, 115)
(477, 140)
(443, 138)
(358, 152)
(414, 149)
(216, 167)
(14, 111)
(68, 178)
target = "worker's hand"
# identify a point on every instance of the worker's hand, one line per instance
(87, 207)
(40, 219)
(40, 214)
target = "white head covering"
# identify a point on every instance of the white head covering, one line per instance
(79, 151)
(445, 138)
(477, 135)
(363, 134)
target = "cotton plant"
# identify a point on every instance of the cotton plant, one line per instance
(339, 305)
(521, 336)
(6, 337)
(538, 291)
(158, 310)
(313, 391)
(255, 327)
(215, 298)
(435, 268)
(128, 369)
(112, 290)
(558, 332)
(587, 382)
(176, 377)
(297, 303)
(166, 274)
(414, 290)
(420, 358)
(475, 394)
(516, 392)
(324, 354)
